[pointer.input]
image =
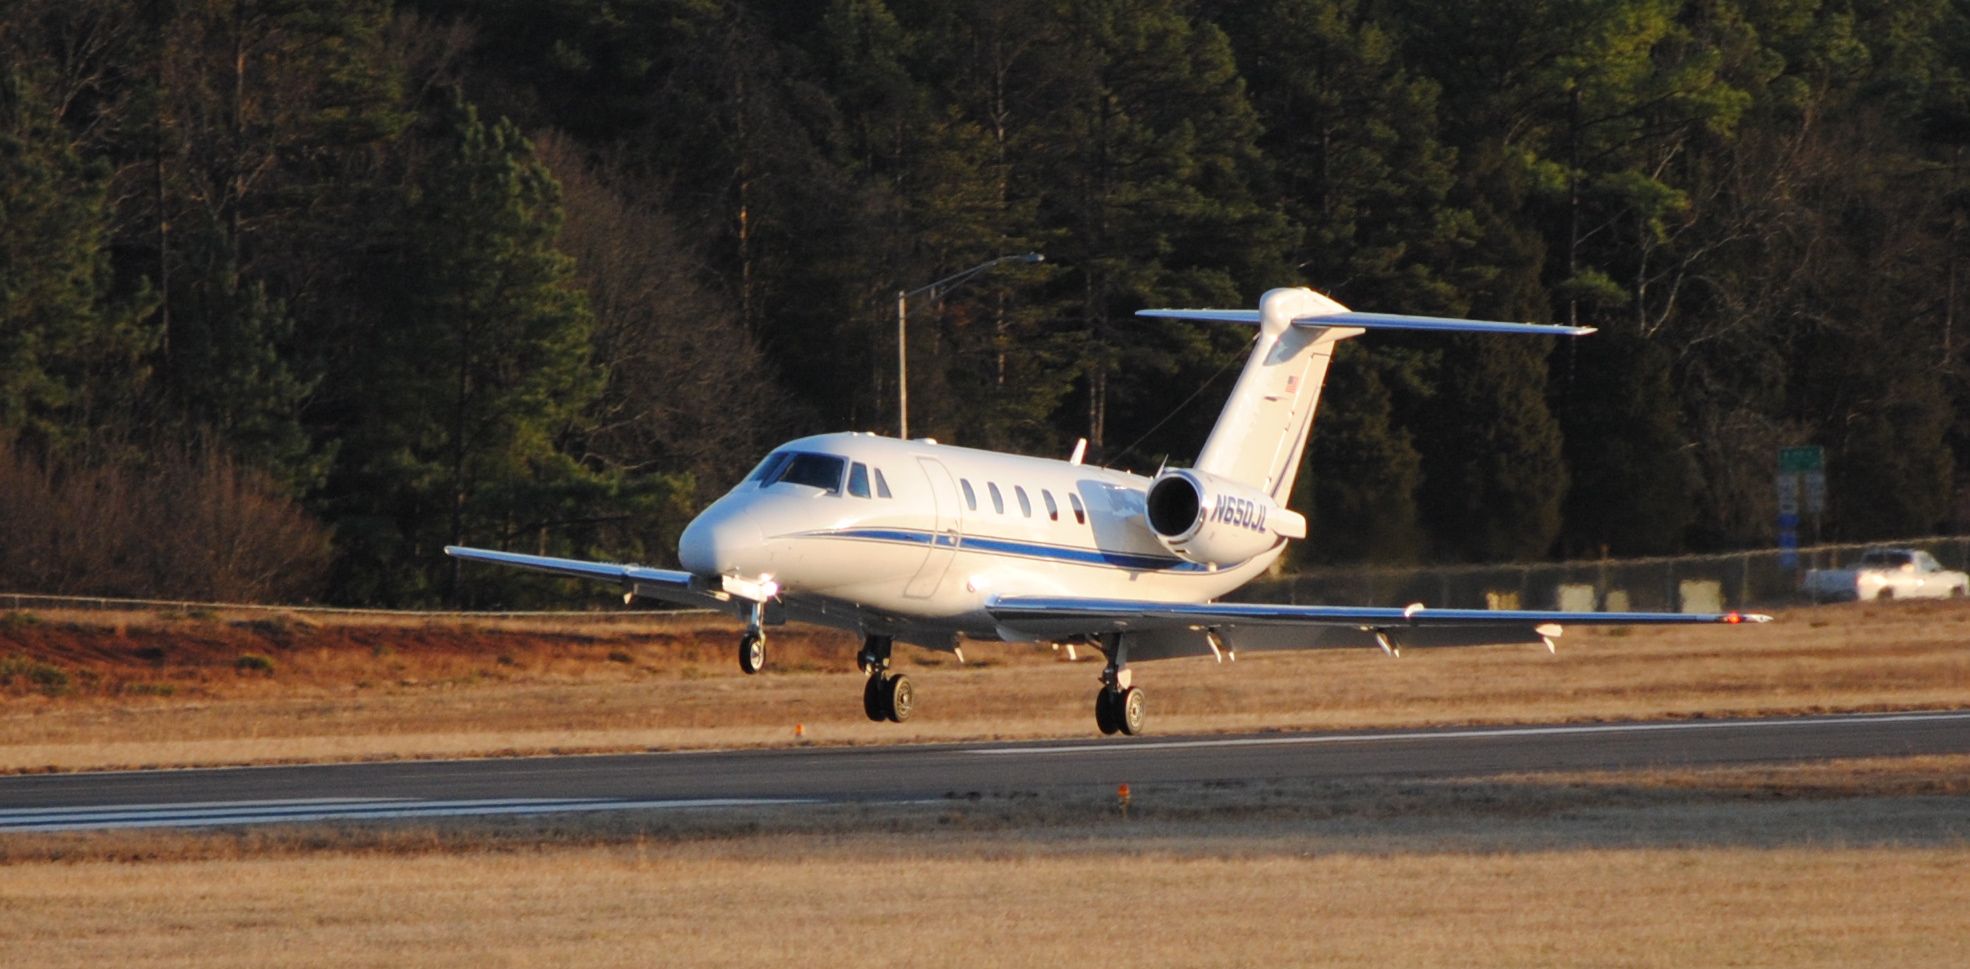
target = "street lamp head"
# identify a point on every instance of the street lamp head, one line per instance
(1032, 257)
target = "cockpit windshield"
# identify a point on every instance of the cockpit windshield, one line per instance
(769, 467)
(821, 471)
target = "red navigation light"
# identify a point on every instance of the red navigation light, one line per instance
(1733, 618)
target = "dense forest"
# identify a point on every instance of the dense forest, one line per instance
(295, 292)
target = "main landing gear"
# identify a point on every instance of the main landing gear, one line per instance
(1118, 710)
(884, 697)
(1119, 706)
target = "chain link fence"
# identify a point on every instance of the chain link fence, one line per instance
(1682, 583)
(600, 612)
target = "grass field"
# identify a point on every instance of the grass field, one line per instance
(172, 690)
(1852, 864)
(149, 690)
(1839, 864)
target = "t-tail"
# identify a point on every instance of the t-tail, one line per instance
(1244, 476)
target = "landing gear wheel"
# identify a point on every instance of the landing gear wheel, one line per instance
(752, 652)
(1105, 712)
(898, 698)
(1128, 711)
(874, 694)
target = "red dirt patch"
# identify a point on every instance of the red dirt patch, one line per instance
(147, 654)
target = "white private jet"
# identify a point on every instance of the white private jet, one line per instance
(931, 544)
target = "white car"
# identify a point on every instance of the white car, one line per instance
(1887, 573)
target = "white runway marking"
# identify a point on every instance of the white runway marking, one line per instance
(213, 813)
(1480, 733)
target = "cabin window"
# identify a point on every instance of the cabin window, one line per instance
(970, 496)
(858, 480)
(998, 500)
(821, 471)
(882, 485)
(1025, 503)
(770, 467)
(1053, 510)
(1080, 513)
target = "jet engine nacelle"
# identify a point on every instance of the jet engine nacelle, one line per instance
(1208, 520)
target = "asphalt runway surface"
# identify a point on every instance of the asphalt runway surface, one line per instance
(813, 775)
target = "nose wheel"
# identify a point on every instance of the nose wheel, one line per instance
(884, 697)
(752, 651)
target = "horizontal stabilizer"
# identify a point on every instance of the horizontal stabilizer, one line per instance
(1376, 321)
(1247, 317)
(1386, 321)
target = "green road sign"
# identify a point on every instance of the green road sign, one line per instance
(1801, 460)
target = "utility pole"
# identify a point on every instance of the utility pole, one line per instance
(935, 289)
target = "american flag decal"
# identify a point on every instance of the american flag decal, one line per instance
(1292, 383)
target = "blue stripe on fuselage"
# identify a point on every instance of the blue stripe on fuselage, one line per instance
(1005, 546)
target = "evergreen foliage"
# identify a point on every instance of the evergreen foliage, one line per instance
(477, 368)
(317, 237)
(72, 352)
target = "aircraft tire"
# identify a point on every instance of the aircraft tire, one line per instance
(1129, 712)
(1104, 712)
(899, 699)
(874, 693)
(752, 652)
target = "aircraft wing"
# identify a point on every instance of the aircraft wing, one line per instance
(644, 581)
(1159, 630)
(724, 593)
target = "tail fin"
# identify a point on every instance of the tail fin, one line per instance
(1261, 436)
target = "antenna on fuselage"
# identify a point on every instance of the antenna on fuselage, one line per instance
(1080, 451)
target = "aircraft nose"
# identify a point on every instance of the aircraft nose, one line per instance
(722, 542)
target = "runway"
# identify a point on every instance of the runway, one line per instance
(794, 776)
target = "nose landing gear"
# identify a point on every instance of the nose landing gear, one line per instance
(884, 697)
(752, 651)
(752, 645)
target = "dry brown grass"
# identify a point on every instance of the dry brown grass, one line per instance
(344, 689)
(609, 907)
(1857, 864)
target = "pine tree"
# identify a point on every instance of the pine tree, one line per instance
(1493, 475)
(477, 368)
(1359, 487)
(72, 354)
(1007, 368)
(1152, 170)
(1632, 472)
(1353, 133)
(262, 118)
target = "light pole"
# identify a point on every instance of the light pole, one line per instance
(947, 284)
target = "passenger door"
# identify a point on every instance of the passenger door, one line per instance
(948, 522)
